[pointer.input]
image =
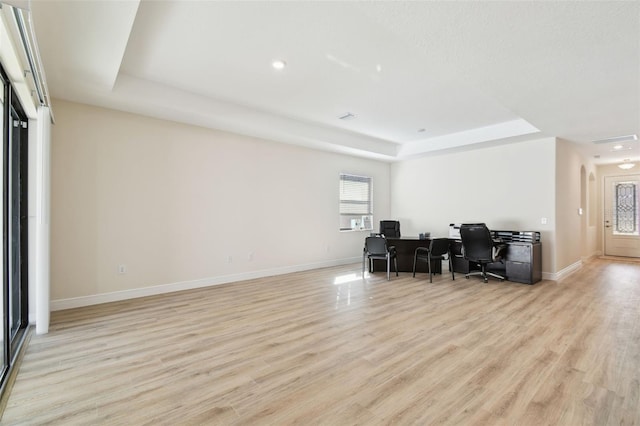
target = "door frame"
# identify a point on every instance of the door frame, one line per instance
(603, 198)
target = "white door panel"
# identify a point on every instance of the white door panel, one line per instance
(622, 216)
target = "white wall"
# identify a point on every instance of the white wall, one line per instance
(507, 187)
(572, 236)
(173, 202)
(590, 211)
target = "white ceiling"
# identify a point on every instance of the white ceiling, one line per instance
(420, 77)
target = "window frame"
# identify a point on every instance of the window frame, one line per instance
(357, 220)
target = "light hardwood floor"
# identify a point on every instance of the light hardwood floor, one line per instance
(305, 349)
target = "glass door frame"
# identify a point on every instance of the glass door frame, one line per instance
(14, 240)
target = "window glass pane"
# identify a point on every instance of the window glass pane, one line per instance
(625, 208)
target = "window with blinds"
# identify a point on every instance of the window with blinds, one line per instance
(356, 202)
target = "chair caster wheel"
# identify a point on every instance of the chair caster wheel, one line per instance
(486, 280)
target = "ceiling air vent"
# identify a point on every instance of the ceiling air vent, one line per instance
(347, 116)
(617, 139)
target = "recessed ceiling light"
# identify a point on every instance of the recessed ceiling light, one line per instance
(278, 64)
(618, 147)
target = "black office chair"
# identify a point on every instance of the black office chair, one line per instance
(479, 247)
(438, 250)
(390, 228)
(376, 248)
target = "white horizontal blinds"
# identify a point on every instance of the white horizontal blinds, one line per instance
(355, 195)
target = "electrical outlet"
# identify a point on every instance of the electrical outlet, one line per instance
(543, 221)
(122, 268)
(229, 259)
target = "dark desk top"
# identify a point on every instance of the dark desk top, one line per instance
(411, 238)
(406, 238)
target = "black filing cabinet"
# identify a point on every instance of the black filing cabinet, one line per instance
(524, 262)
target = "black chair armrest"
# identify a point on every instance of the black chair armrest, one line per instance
(422, 249)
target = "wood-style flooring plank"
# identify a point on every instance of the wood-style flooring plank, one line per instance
(328, 347)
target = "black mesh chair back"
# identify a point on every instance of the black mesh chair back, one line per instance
(478, 246)
(390, 228)
(439, 247)
(376, 247)
(438, 251)
(477, 243)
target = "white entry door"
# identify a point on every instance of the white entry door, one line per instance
(622, 216)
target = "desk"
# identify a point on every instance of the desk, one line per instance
(522, 261)
(405, 249)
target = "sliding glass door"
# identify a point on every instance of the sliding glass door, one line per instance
(14, 248)
(4, 293)
(18, 217)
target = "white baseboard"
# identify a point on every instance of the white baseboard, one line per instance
(593, 255)
(548, 276)
(77, 302)
(563, 273)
